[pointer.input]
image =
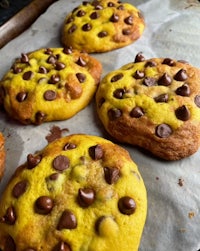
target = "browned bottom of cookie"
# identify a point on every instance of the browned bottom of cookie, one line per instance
(2, 155)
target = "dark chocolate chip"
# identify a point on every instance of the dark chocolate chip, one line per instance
(72, 29)
(67, 221)
(162, 98)
(111, 174)
(181, 75)
(126, 205)
(197, 100)
(102, 34)
(114, 113)
(138, 74)
(139, 57)
(44, 205)
(21, 96)
(61, 163)
(39, 117)
(137, 112)
(80, 13)
(129, 20)
(149, 81)
(19, 188)
(43, 70)
(69, 146)
(183, 90)
(54, 79)
(96, 152)
(98, 223)
(81, 77)
(86, 197)
(163, 131)
(9, 244)
(150, 64)
(117, 77)
(165, 80)
(10, 216)
(24, 58)
(28, 75)
(114, 18)
(81, 62)
(168, 61)
(50, 95)
(59, 66)
(182, 113)
(87, 27)
(94, 15)
(68, 50)
(52, 59)
(62, 246)
(118, 93)
(33, 161)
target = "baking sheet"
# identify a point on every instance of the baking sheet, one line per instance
(172, 30)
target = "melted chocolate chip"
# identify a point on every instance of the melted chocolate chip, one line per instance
(81, 77)
(137, 112)
(197, 100)
(102, 34)
(181, 75)
(94, 15)
(183, 90)
(69, 146)
(44, 205)
(28, 75)
(61, 163)
(149, 81)
(21, 96)
(117, 77)
(9, 244)
(81, 62)
(114, 18)
(33, 161)
(39, 117)
(111, 174)
(126, 205)
(24, 58)
(72, 29)
(168, 61)
(10, 216)
(19, 188)
(59, 66)
(87, 27)
(67, 221)
(129, 20)
(96, 152)
(139, 74)
(43, 70)
(114, 113)
(86, 197)
(165, 80)
(182, 113)
(163, 131)
(139, 57)
(50, 95)
(162, 98)
(62, 246)
(119, 93)
(80, 13)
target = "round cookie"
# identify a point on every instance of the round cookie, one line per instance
(154, 104)
(81, 192)
(2, 155)
(49, 84)
(100, 26)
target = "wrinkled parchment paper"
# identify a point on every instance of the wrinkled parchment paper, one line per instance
(172, 30)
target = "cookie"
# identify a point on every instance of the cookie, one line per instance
(49, 84)
(100, 26)
(2, 155)
(154, 104)
(81, 192)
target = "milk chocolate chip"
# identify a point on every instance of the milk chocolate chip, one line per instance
(67, 221)
(163, 131)
(111, 174)
(43, 205)
(126, 205)
(96, 152)
(61, 163)
(86, 197)
(19, 188)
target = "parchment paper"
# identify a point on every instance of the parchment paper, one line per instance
(172, 30)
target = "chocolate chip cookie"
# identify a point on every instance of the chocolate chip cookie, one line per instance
(154, 104)
(100, 26)
(81, 192)
(2, 155)
(49, 84)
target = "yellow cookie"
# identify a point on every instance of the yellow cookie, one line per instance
(79, 193)
(49, 84)
(154, 104)
(101, 26)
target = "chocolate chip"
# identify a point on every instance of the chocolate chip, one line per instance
(102, 34)
(121, 7)
(114, 113)
(119, 93)
(138, 74)
(94, 15)
(168, 61)
(87, 27)
(10, 216)
(16, 69)
(39, 117)
(54, 176)
(101, 101)
(59, 66)
(150, 64)
(24, 58)
(62, 246)
(67, 221)
(52, 59)
(80, 13)
(33, 161)
(111, 174)
(165, 80)
(114, 18)
(19, 188)
(68, 50)
(81, 62)
(181, 75)
(117, 77)
(197, 100)
(43, 70)
(126, 32)
(97, 5)
(86, 197)
(69, 146)
(61, 163)
(54, 79)
(81, 77)
(28, 75)
(126, 205)
(72, 29)
(163, 131)
(129, 20)
(137, 112)
(149, 81)
(48, 51)
(183, 90)
(111, 4)
(162, 98)
(139, 57)
(98, 223)
(44, 205)
(96, 152)
(182, 113)
(50, 95)
(9, 244)
(21, 96)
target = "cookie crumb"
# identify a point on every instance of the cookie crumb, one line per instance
(180, 182)
(182, 230)
(191, 214)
